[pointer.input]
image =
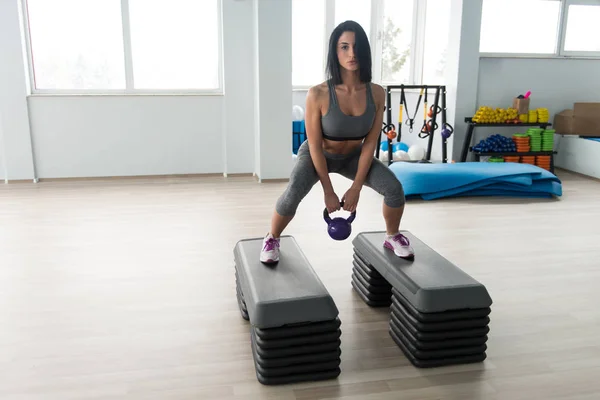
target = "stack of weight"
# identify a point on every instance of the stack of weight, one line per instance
(295, 353)
(306, 352)
(240, 298)
(295, 329)
(372, 288)
(438, 338)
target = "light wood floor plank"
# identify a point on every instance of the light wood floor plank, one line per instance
(124, 289)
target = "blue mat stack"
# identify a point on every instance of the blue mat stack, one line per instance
(436, 181)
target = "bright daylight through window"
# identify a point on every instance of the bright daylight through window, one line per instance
(95, 45)
(541, 27)
(392, 29)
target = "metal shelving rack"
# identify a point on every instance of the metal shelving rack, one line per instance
(469, 137)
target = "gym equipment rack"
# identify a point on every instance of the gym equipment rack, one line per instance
(440, 95)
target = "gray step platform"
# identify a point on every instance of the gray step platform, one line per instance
(240, 299)
(439, 315)
(294, 323)
(286, 293)
(430, 282)
(371, 287)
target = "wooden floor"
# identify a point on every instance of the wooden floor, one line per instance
(124, 289)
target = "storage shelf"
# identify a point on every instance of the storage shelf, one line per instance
(469, 120)
(469, 135)
(513, 153)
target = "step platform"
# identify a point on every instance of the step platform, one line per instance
(439, 315)
(295, 330)
(240, 299)
(370, 286)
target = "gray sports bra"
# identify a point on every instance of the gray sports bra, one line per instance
(338, 126)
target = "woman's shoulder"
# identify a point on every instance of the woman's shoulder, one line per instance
(377, 90)
(318, 92)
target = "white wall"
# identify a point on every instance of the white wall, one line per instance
(273, 63)
(238, 115)
(554, 83)
(90, 136)
(75, 136)
(14, 118)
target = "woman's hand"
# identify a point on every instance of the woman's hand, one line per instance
(350, 199)
(332, 202)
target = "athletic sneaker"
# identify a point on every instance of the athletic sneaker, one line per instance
(270, 250)
(400, 245)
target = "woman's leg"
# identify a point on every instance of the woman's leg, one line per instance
(381, 179)
(302, 179)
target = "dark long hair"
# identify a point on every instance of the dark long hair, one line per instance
(362, 51)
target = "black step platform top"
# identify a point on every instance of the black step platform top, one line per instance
(430, 282)
(286, 293)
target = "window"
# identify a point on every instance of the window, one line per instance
(308, 33)
(402, 33)
(172, 43)
(582, 33)
(124, 46)
(437, 26)
(519, 26)
(355, 10)
(396, 41)
(85, 52)
(554, 28)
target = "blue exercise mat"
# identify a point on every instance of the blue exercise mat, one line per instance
(435, 181)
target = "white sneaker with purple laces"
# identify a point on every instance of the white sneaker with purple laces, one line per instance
(400, 245)
(270, 250)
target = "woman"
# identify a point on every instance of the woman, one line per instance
(343, 123)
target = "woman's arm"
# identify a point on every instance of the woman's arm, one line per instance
(315, 142)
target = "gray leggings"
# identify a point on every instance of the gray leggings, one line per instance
(304, 176)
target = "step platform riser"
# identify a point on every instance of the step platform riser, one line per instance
(274, 366)
(439, 315)
(370, 286)
(295, 331)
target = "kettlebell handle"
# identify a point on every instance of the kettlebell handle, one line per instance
(327, 218)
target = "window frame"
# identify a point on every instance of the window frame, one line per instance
(565, 18)
(559, 46)
(375, 39)
(127, 63)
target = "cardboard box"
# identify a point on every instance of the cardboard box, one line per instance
(521, 105)
(563, 122)
(582, 120)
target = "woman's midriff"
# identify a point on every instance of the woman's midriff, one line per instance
(344, 147)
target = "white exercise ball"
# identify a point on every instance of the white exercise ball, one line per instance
(416, 152)
(297, 113)
(403, 155)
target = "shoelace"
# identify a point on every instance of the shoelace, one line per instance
(403, 240)
(270, 244)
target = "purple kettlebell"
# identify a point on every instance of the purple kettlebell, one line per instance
(339, 228)
(447, 131)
